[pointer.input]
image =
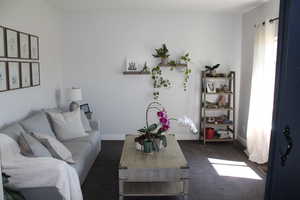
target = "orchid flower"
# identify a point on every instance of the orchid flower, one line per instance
(185, 121)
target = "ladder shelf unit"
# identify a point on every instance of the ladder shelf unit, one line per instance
(217, 117)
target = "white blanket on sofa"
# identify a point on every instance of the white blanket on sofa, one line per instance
(38, 172)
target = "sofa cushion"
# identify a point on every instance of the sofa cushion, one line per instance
(55, 147)
(14, 131)
(81, 151)
(67, 125)
(37, 123)
(31, 147)
(93, 138)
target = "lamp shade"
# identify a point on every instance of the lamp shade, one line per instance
(76, 94)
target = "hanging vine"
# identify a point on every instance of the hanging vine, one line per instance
(158, 80)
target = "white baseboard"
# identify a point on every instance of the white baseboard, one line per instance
(122, 137)
(242, 140)
(112, 137)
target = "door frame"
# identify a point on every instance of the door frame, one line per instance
(280, 76)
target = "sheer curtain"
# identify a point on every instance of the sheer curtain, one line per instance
(262, 92)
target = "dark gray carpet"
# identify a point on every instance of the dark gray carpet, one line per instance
(205, 184)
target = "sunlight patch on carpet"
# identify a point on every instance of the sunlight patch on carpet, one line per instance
(233, 169)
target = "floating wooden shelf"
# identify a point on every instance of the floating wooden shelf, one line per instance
(177, 65)
(136, 73)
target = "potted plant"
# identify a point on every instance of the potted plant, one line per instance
(211, 70)
(162, 53)
(10, 194)
(153, 138)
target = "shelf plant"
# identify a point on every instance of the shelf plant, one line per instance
(162, 53)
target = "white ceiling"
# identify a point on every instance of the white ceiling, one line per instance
(235, 6)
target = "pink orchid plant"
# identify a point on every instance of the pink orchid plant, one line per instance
(154, 132)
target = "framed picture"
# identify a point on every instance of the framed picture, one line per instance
(3, 76)
(2, 42)
(85, 108)
(210, 87)
(13, 75)
(35, 74)
(131, 66)
(34, 47)
(25, 75)
(12, 44)
(24, 45)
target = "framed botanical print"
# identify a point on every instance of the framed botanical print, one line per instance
(210, 87)
(25, 75)
(3, 76)
(35, 74)
(34, 47)
(24, 45)
(13, 75)
(12, 45)
(2, 42)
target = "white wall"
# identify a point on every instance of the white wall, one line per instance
(35, 17)
(96, 45)
(263, 13)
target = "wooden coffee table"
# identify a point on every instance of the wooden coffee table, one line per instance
(164, 173)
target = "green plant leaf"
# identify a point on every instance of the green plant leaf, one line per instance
(152, 127)
(142, 130)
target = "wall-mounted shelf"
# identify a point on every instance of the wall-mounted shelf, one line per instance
(177, 65)
(136, 73)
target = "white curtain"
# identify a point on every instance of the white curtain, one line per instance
(262, 93)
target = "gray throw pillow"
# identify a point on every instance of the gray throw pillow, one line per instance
(37, 123)
(31, 147)
(55, 147)
(85, 122)
(67, 125)
(14, 131)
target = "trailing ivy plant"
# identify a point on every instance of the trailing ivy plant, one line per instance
(186, 58)
(187, 73)
(158, 81)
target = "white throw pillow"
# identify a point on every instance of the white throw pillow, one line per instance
(55, 147)
(67, 125)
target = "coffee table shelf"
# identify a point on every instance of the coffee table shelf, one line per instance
(153, 188)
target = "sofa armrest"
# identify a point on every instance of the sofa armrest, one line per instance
(95, 125)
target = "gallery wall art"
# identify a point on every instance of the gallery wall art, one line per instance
(19, 67)
(16, 75)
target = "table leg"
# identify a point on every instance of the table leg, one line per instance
(185, 189)
(121, 189)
